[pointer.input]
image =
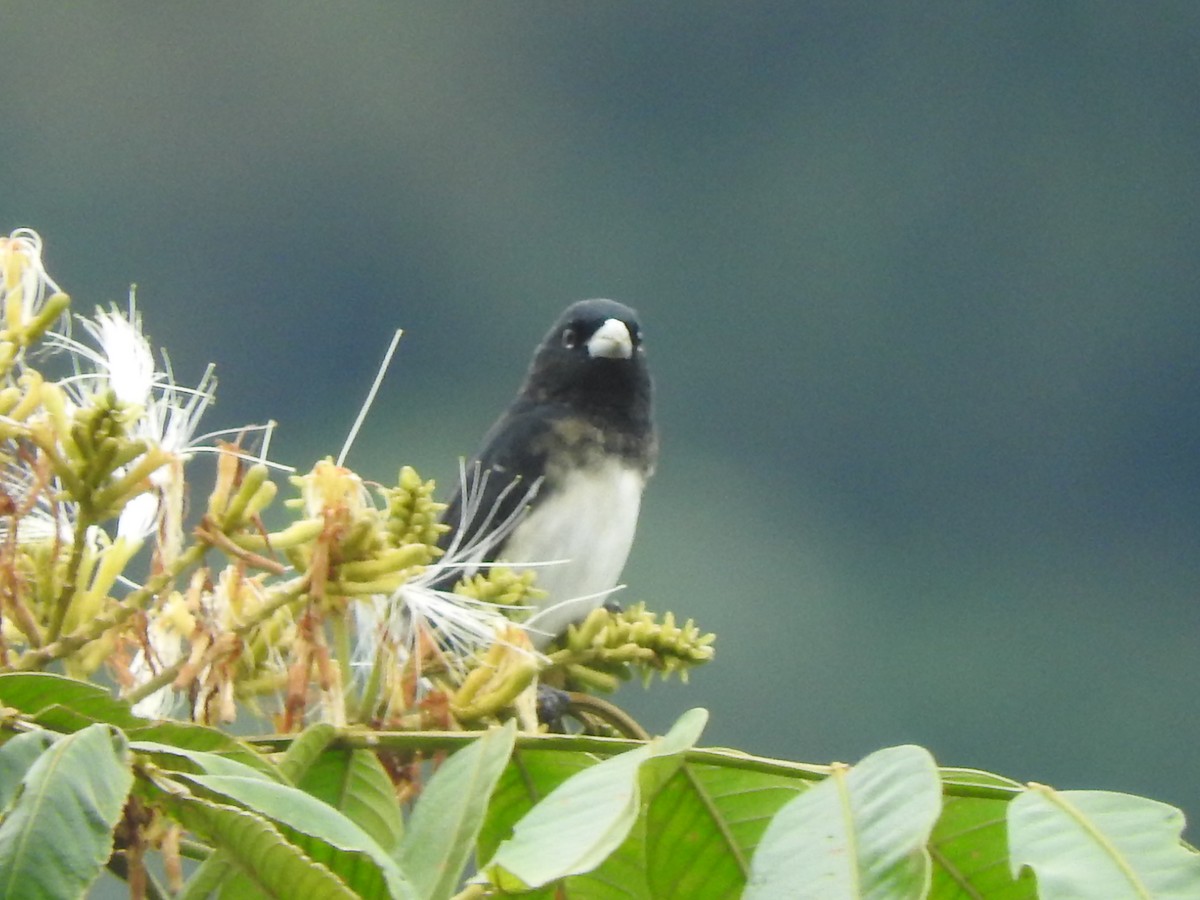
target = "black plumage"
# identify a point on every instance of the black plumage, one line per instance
(580, 436)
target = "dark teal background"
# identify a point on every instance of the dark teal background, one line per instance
(921, 284)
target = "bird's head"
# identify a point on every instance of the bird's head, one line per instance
(593, 354)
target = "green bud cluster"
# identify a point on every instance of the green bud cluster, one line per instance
(608, 647)
(502, 586)
(497, 681)
(413, 516)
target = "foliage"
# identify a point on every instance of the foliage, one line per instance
(407, 761)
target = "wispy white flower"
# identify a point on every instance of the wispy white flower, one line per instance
(462, 626)
(485, 531)
(139, 517)
(124, 362)
(171, 418)
(467, 556)
(174, 412)
(24, 284)
(422, 607)
(165, 414)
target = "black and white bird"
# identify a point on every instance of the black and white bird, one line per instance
(576, 446)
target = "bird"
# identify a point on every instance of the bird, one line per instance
(567, 461)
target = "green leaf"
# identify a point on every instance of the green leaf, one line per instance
(860, 833)
(16, 756)
(446, 821)
(324, 834)
(274, 865)
(969, 846)
(355, 782)
(575, 828)
(190, 736)
(703, 826)
(587, 817)
(531, 776)
(58, 834)
(64, 704)
(199, 762)
(305, 750)
(622, 875)
(696, 834)
(1101, 844)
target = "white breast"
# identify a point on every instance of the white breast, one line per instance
(584, 529)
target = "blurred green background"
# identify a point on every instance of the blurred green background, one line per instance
(920, 284)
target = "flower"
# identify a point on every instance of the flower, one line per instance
(166, 413)
(461, 625)
(332, 489)
(169, 626)
(124, 362)
(486, 534)
(25, 287)
(163, 414)
(425, 608)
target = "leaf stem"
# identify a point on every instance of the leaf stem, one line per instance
(67, 594)
(428, 741)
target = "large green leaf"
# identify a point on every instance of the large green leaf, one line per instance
(697, 831)
(16, 756)
(1101, 844)
(57, 835)
(860, 833)
(355, 782)
(325, 834)
(352, 781)
(64, 704)
(446, 821)
(586, 818)
(704, 825)
(184, 736)
(575, 828)
(695, 837)
(969, 846)
(276, 867)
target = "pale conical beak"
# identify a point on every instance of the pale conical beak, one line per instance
(611, 341)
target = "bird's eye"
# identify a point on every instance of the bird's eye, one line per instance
(569, 338)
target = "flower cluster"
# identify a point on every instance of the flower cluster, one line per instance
(352, 612)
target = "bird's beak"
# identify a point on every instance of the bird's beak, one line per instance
(611, 341)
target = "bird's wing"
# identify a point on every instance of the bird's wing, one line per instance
(499, 483)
